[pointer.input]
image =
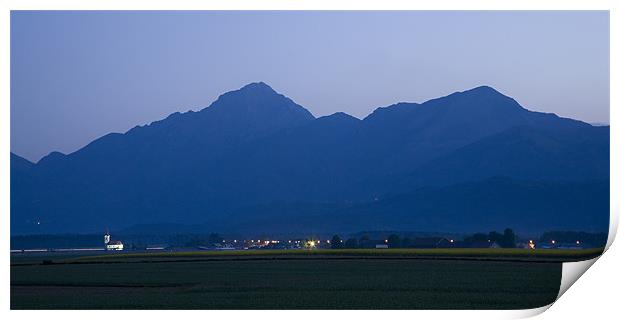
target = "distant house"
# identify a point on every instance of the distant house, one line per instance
(570, 246)
(575, 245)
(112, 245)
(373, 244)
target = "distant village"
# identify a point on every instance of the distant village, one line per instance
(370, 240)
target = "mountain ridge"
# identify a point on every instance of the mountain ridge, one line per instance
(254, 146)
(265, 88)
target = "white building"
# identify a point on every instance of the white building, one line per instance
(112, 245)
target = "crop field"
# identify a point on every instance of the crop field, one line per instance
(292, 279)
(453, 253)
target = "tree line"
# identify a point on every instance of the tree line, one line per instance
(508, 239)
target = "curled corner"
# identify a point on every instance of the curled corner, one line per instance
(528, 313)
(571, 271)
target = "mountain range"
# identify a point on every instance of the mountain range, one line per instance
(255, 160)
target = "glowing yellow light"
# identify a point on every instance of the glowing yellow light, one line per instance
(311, 243)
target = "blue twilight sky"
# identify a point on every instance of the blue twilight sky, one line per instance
(76, 76)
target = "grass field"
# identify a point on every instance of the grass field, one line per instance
(475, 253)
(318, 279)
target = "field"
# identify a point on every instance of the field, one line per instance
(292, 279)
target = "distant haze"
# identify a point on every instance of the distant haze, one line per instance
(76, 76)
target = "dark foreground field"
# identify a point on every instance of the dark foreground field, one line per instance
(275, 281)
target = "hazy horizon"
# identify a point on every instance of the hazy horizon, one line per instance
(76, 76)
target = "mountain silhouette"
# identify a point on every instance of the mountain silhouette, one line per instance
(254, 150)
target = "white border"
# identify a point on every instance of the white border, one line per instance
(568, 309)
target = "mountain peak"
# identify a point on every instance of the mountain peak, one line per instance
(257, 87)
(340, 115)
(479, 99)
(257, 104)
(52, 157)
(484, 89)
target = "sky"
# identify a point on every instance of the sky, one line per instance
(76, 76)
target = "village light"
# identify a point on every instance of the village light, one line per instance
(553, 241)
(386, 241)
(578, 242)
(451, 240)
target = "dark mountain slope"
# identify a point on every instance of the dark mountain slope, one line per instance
(405, 135)
(523, 152)
(20, 164)
(253, 147)
(491, 204)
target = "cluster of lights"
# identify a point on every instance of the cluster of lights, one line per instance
(553, 242)
(266, 242)
(314, 243)
(531, 244)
